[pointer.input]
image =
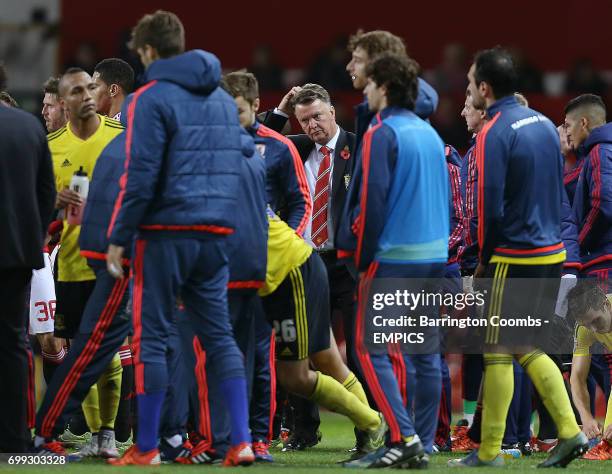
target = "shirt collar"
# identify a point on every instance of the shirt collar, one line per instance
(332, 143)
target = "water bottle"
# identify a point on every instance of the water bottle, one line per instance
(80, 185)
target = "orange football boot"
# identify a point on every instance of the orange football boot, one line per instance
(134, 457)
(239, 455)
(600, 452)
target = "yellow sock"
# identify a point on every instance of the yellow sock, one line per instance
(353, 385)
(498, 387)
(608, 420)
(91, 410)
(331, 394)
(548, 381)
(109, 392)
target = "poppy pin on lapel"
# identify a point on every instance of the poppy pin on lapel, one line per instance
(345, 154)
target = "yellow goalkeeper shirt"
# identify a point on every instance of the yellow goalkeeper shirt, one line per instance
(69, 153)
(584, 338)
(286, 251)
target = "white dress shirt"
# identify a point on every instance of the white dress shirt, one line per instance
(313, 162)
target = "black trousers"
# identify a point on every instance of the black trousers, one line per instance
(14, 434)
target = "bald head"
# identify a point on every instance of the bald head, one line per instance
(66, 78)
(77, 94)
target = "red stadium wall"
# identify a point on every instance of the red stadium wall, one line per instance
(551, 33)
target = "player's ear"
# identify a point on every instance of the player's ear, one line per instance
(584, 124)
(256, 104)
(114, 90)
(484, 89)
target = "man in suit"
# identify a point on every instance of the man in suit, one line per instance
(327, 152)
(315, 113)
(27, 192)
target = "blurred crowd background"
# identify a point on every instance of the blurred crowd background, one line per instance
(561, 47)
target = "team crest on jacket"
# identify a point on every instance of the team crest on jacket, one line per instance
(347, 180)
(261, 148)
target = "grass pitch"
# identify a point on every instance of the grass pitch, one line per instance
(337, 438)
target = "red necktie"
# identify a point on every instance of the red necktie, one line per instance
(319, 212)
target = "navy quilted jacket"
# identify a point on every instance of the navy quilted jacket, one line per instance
(183, 152)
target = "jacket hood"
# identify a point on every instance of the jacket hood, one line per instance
(427, 100)
(197, 71)
(601, 134)
(426, 103)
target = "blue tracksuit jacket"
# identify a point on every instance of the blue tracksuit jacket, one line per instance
(286, 183)
(183, 152)
(404, 188)
(520, 183)
(593, 199)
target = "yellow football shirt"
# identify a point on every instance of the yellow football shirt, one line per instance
(584, 338)
(286, 251)
(69, 153)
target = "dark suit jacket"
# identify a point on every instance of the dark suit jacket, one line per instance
(27, 189)
(341, 170)
(342, 167)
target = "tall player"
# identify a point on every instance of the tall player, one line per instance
(519, 238)
(181, 183)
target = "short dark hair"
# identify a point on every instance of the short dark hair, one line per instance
(309, 93)
(587, 294)
(241, 84)
(116, 71)
(399, 74)
(377, 42)
(161, 30)
(6, 98)
(51, 86)
(589, 101)
(495, 67)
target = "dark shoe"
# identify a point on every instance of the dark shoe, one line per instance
(169, 454)
(525, 447)
(566, 451)
(360, 437)
(395, 455)
(299, 442)
(418, 463)
(442, 448)
(472, 460)
(202, 453)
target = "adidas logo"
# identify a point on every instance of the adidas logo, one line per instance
(286, 352)
(66, 163)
